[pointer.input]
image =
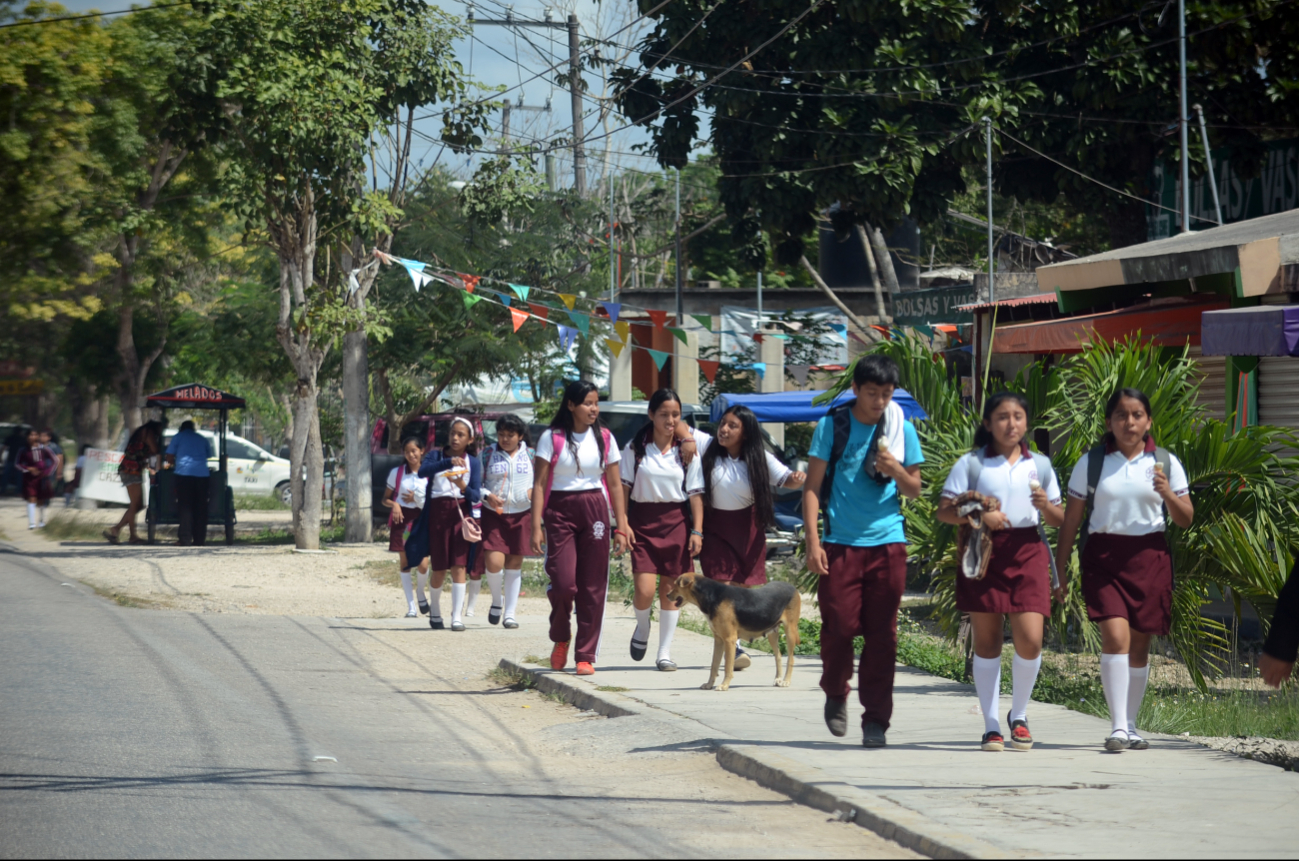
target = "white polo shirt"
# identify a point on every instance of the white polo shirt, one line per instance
(566, 477)
(732, 490)
(1008, 482)
(411, 484)
(661, 477)
(1126, 502)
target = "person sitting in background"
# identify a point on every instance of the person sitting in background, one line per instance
(187, 454)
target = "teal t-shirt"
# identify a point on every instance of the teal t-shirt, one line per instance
(862, 513)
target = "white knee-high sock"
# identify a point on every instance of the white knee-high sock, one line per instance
(1023, 674)
(409, 589)
(667, 627)
(435, 603)
(1114, 678)
(987, 685)
(1137, 678)
(513, 582)
(457, 601)
(31, 514)
(471, 591)
(641, 634)
(40, 509)
(422, 582)
(494, 579)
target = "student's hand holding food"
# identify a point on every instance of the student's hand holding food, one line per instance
(886, 463)
(1161, 484)
(1038, 495)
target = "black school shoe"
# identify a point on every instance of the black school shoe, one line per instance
(872, 735)
(494, 616)
(423, 607)
(836, 716)
(638, 649)
(435, 623)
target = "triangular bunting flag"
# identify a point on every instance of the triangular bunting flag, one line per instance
(418, 278)
(521, 291)
(924, 330)
(582, 321)
(542, 311)
(659, 357)
(411, 264)
(566, 336)
(471, 300)
(615, 346)
(353, 285)
(758, 336)
(613, 309)
(761, 368)
(679, 333)
(703, 320)
(471, 281)
(504, 297)
(623, 329)
(520, 317)
(569, 300)
(799, 372)
(659, 317)
(709, 369)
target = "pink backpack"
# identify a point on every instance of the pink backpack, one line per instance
(557, 446)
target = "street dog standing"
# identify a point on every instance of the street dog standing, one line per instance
(735, 613)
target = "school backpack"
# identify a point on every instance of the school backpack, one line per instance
(1095, 463)
(1042, 464)
(557, 448)
(841, 419)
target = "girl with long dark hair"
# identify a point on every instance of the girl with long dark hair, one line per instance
(576, 462)
(1017, 581)
(404, 497)
(138, 461)
(454, 479)
(1129, 484)
(666, 511)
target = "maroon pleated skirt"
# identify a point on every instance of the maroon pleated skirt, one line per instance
(510, 534)
(1018, 578)
(662, 538)
(397, 532)
(447, 547)
(37, 487)
(735, 547)
(1129, 577)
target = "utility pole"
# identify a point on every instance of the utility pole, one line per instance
(1182, 118)
(678, 267)
(574, 72)
(987, 131)
(613, 276)
(1208, 156)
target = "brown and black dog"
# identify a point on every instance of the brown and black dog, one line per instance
(735, 613)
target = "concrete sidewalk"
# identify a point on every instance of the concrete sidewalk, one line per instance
(932, 789)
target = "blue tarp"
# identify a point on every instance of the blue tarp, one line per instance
(798, 407)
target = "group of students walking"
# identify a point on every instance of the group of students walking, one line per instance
(674, 495)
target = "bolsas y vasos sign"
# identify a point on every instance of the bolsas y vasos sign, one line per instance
(921, 307)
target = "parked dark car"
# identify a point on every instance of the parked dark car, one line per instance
(434, 430)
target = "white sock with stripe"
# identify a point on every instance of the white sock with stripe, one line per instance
(987, 685)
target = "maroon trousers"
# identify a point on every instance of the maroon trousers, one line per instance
(577, 563)
(860, 598)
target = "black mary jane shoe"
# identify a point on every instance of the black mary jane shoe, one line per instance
(494, 616)
(638, 649)
(423, 608)
(436, 623)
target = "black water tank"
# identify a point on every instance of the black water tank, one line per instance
(843, 264)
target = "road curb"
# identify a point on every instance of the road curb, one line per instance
(801, 784)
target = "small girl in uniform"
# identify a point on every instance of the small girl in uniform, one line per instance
(666, 513)
(507, 516)
(1018, 578)
(36, 463)
(455, 480)
(576, 460)
(404, 497)
(1127, 569)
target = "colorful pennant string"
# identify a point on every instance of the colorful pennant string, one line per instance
(471, 300)
(470, 281)
(521, 291)
(659, 317)
(704, 320)
(520, 317)
(615, 346)
(582, 321)
(623, 329)
(709, 368)
(680, 334)
(613, 309)
(569, 300)
(659, 357)
(566, 337)
(541, 311)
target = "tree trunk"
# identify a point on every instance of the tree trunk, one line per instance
(357, 526)
(307, 463)
(838, 303)
(885, 261)
(875, 272)
(89, 416)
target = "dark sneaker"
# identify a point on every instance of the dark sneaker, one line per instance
(1136, 742)
(1020, 737)
(742, 660)
(1117, 741)
(836, 716)
(872, 735)
(992, 741)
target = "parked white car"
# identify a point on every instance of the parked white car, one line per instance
(252, 469)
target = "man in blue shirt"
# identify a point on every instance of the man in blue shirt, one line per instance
(864, 456)
(187, 454)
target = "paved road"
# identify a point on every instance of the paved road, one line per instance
(127, 732)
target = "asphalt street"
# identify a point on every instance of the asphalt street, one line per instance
(128, 732)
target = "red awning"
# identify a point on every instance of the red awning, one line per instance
(1035, 299)
(1168, 322)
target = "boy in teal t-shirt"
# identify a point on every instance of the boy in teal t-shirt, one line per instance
(863, 560)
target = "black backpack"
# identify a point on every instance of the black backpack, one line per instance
(841, 417)
(1095, 463)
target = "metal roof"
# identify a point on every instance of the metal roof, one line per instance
(1036, 299)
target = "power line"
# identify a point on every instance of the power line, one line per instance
(33, 21)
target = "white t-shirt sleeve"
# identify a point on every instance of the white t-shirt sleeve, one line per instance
(546, 446)
(627, 465)
(779, 472)
(1052, 487)
(392, 478)
(695, 476)
(1177, 481)
(702, 439)
(958, 480)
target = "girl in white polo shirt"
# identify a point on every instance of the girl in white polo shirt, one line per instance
(1018, 580)
(507, 515)
(1127, 570)
(665, 510)
(404, 496)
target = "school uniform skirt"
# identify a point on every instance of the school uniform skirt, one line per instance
(397, 532)
(510, 534)
(1129, 577)
(447, 547)
(37, 487)
(662, 538)
(1018, 578)
(735, 547)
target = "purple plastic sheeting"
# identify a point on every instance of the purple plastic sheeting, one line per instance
(1265, 330)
